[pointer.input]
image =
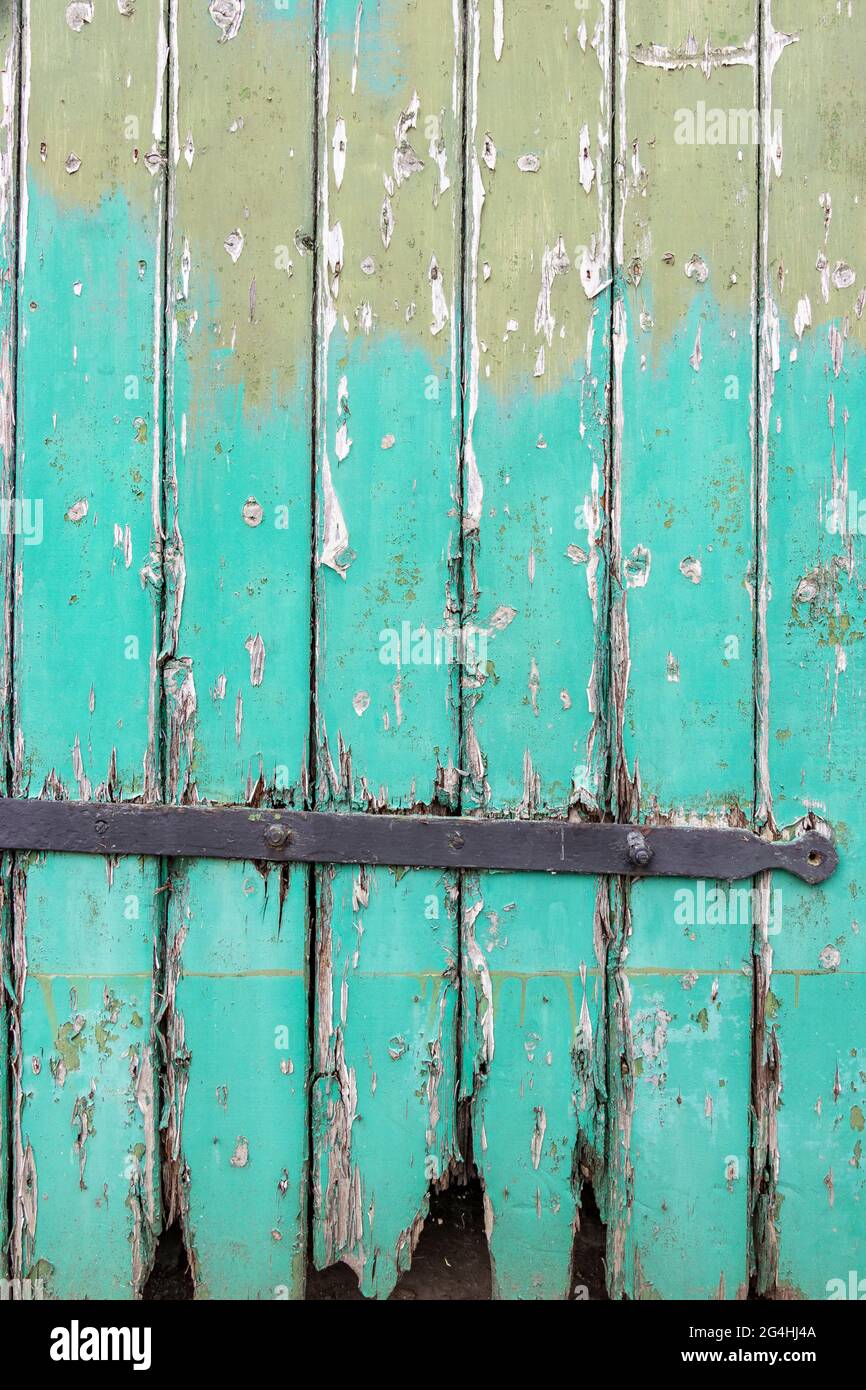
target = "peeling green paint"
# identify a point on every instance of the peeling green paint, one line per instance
(433, 406)
(812, 390)
(88, 365)
(237, 617)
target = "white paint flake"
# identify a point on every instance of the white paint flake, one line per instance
(638, 565)
(439, 302)
(474, 494)
(586, 164)
(252, 512)
(822, 265)
(406, 161)
(386, 223)
(357, 45)
(691, 54)
(837, 348)
(241, 1156)
(339, 147)
(802, 316)
(697, 354)
(234, 244)
(439, 154)
(335, 541)
(77, 15)
(697, 267)
(843, 275)
(554, 262)
(256, 648)
(498, 28)
(593, 264)
(342, 442)
(227, 16)
(830, 958)
(537, 1142)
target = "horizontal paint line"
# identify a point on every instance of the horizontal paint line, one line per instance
(746, 974)
(242, 974)
(185, 975)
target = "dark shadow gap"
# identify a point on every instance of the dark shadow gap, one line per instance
(451, 1260)
(588, 1274)
(170, 1277)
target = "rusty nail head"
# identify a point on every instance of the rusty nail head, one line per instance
(639, 852)
(276, 836)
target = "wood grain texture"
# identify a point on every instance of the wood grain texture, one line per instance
(236, 636)
(812, 1043)
(444, 407)
(9, 87)
(86, 1203)
(534, 583)
(683, 352)
(388, 532)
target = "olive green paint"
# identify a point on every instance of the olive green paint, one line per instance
(237, 617)
(682, 614)
(809, 1203)
(387, 547)
(534, 583)
(432, 407)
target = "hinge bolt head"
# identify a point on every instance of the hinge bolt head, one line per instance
(277, 836)
(456, 840)
(639, 852)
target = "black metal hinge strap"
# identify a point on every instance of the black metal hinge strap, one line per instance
(413, 841)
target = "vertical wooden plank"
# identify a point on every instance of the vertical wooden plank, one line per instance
(390, 78)
(9, 78)
(86, 1175)
(538, 310)
(811, 1064)
(682, 630)
(237, 632)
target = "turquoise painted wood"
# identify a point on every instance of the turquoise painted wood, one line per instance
(442, 406)
(236, 634)
(682, 623)
(9, 49)
(387, 611)
(85, 1100)
(812, 616)
(534, 585)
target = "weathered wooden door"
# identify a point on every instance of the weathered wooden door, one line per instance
(448, 405)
